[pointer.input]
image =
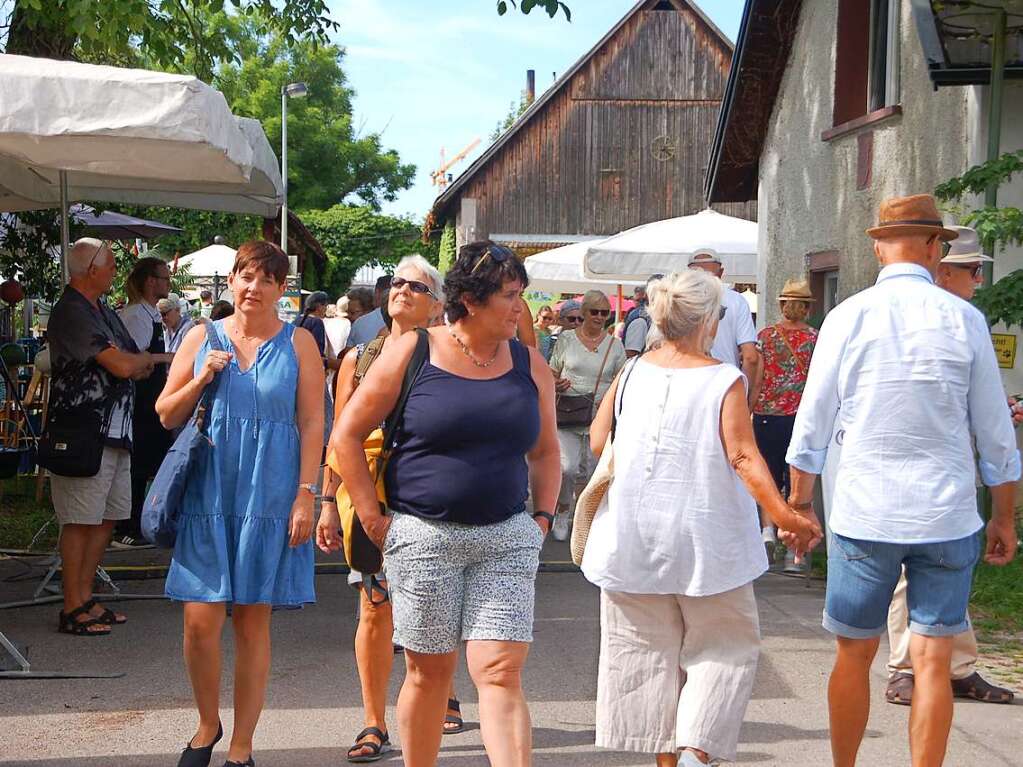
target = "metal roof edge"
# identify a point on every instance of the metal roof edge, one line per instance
(441, 202)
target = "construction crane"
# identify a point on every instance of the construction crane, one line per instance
(441, 177)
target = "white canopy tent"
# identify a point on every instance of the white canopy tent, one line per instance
(72, 131)
(665, 246)
(560, 270)
(209, 261)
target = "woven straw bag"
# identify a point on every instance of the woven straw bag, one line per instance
(590, 499)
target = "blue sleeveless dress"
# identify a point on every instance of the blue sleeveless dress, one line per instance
(232, 543)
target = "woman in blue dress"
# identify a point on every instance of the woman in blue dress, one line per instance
(244, 534)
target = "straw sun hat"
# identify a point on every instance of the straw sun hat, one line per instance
(796, 290)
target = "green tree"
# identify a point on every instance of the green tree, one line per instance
(448, 248)
(1003, 301)
(172, 33)
(515, 111)
(550, 6)
(328, 161)
(354, 236)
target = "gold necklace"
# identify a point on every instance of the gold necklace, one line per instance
(587, 340)
(468, 353)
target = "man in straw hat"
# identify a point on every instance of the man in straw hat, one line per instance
(959, 273)
(907, 371)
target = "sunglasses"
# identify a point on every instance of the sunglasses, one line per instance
(499, 253)
(721, 313)
(574, 318)
(414, 285)
(99, 250)
(599, 312)
(975, 269)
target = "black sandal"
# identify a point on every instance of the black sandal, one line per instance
(200, 756)
(67, 623)
(377, 750)
(108, 617)
(250, 762)
(455, 720)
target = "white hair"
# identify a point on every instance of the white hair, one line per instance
(416, 261)
(84, 252)
(683, 302)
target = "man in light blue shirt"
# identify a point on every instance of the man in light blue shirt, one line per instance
(907, 372)
(368, 326)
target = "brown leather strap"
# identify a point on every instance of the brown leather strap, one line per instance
(792, 352)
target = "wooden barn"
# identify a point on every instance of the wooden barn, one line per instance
(621, 139)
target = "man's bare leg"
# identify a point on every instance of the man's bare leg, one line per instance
(930, 717)
(849, 697)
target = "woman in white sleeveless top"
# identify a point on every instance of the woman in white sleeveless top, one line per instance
(675, 546)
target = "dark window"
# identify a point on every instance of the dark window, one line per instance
(866, 58)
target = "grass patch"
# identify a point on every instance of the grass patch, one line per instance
(997, 602)
(21, 515)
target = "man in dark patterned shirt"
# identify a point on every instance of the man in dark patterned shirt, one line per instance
(94, 361)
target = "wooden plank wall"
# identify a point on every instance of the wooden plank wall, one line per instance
(625, 142)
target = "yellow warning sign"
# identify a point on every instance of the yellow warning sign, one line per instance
(1005, 349)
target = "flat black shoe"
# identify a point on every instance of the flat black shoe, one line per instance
(200, 757)
(250, 762)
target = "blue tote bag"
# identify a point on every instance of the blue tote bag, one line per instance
(162, 508)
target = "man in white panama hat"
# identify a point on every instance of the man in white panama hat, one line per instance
(959, 272)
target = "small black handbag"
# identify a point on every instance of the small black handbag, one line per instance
(72, 443)
(577, 409)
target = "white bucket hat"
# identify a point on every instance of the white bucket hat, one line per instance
(965, 249)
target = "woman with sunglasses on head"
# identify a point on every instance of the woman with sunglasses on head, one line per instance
(415, 297)
(585, 360)
(461, 552)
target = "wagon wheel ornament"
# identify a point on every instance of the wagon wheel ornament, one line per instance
(663, 148)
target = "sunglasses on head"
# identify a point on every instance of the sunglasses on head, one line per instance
(975, 269)
(499, 253)
(99, 250)
(414, 285)
(599, 312)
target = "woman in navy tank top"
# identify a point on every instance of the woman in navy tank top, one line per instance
(461, 552)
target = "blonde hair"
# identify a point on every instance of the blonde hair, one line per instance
(683, 302)
(594, 298)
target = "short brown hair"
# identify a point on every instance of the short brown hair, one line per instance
(265, 256)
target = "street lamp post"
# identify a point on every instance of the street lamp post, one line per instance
(296, 91)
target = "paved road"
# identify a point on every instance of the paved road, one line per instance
(312, 711)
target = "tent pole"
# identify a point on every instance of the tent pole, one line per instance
(618, 309)
(65, 235)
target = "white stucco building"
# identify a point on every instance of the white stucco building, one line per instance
(831, 108)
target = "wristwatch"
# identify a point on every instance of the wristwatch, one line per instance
(313, 489)
(545, 515)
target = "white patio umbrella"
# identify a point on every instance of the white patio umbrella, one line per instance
(560, 270)
(209, 261)
(665, 246)
(72, 131)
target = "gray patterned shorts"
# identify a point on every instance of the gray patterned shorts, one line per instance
(452, 582)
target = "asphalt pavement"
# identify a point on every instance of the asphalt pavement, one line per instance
(313, 709)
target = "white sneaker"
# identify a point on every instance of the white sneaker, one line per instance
(562, 526)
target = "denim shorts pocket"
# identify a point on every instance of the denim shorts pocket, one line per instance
(851, 549)
(959, 554)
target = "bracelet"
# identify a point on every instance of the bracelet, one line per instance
(546, 515)
(802, 506)
(328, 499)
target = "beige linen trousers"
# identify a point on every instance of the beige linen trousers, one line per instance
(676, 671)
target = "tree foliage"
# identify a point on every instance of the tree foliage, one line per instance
(515, 111)
(448, 248)
(1002, 301)
(354, 236)
(174, 34)
(329, 162)
(30, 251)
(550, 6)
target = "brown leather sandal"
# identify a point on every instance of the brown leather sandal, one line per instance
(976, 687)
(900, 689)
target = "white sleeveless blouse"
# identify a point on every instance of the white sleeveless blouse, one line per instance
(677, 519)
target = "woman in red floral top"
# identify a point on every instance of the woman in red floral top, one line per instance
(786, 347)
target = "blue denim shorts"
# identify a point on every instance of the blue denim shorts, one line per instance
(862, 576)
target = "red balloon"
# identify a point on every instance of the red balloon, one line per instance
(11, 292)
